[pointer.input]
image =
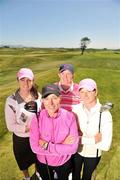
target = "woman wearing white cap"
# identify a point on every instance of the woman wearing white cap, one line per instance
(18, 119)
(93, 141)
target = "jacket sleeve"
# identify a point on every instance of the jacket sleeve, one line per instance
(53, 149)
(35, 137)
(10, 117)
(65, 149)
(106, 130)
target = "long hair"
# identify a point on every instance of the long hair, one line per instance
(34, 91)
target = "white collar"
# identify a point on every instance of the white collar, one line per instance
(68, 90)
(94, 108)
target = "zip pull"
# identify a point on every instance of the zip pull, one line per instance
(55, 175)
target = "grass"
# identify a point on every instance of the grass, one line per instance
(103, 66)
(8, 166)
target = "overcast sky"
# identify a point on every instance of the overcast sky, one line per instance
(60, 23)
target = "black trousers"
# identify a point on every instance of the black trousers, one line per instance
(22, 152)
(62, 171)
(88, 164)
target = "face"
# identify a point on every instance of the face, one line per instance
(25, 84)
(66, 78)
(88, 97)
(51, 103)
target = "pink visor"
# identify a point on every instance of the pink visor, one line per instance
(25, 72)
(88, 84)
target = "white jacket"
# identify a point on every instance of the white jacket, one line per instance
(89, 123)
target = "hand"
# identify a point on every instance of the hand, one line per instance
(43, 144)
(69, 140)
(98, 137)
(27, 129)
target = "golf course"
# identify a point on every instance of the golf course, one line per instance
(101, 65)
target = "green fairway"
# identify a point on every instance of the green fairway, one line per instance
(102, 66)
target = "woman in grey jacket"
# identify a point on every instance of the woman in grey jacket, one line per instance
(18, 119)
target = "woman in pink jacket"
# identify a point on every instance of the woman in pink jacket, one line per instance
(53, 136)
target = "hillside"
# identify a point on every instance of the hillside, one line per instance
(103, 66)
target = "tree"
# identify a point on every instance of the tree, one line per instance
(83, 44)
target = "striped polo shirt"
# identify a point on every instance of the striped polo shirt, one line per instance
(69, 97)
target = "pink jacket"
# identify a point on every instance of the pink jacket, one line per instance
(54, 131)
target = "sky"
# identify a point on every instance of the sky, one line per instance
(60, 23)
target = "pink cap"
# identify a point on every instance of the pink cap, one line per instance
(88, 84)
(25, 72)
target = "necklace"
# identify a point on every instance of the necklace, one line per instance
(27, 98)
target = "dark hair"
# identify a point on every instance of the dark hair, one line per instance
(34, 91)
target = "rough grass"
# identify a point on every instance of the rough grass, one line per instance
(103, 66)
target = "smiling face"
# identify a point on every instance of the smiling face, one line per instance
(66, 79)
(51, 104)
(88, 98)
(25, 84)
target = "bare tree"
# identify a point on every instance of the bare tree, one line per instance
(84, 43)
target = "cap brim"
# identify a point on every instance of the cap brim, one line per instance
(50, 92)
(31, 78)
(88, 88)
(65, 70)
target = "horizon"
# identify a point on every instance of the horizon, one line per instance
(60, 23)
(21, 46)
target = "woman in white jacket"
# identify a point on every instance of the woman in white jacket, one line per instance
(92, 141)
